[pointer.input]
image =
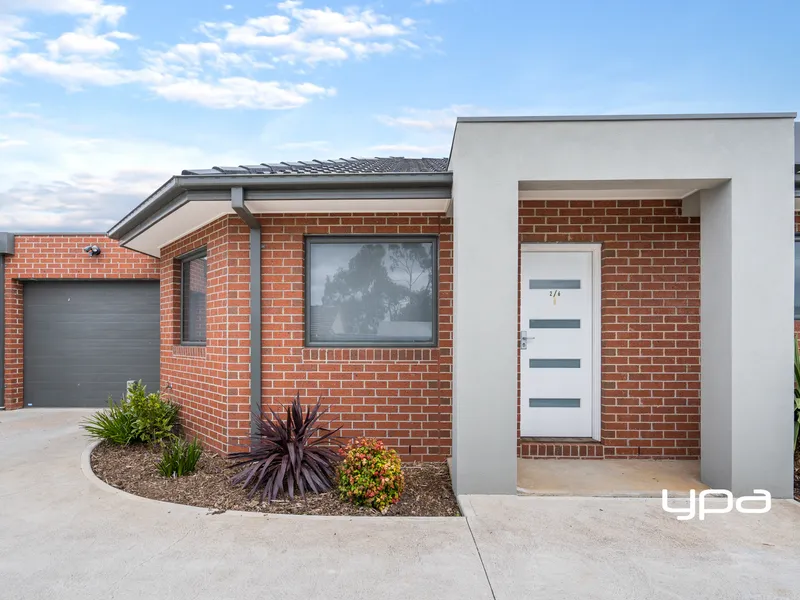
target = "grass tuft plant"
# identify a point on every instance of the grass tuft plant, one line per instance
(138, 417)
(116, 424)
(287, 455)
(179, 457)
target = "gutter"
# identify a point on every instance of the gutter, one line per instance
(239, 207)
(651, 117)
(6, 248)
(181, 184)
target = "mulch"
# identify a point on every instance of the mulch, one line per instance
(797, 476)
(427, 493)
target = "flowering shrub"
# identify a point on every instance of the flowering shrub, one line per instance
(370, 475)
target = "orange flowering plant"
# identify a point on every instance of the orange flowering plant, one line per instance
(370, 474)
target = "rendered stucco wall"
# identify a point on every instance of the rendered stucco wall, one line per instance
(716, 409)
(488, 161)
(484, 333)
(747, 283)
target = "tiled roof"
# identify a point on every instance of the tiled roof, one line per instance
(341, 166)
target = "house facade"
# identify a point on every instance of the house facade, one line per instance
(596, 287)
(75, 327)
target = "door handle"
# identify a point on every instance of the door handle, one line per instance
(523, 339)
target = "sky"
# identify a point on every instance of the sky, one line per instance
(101, 101)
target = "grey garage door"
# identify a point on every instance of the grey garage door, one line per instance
(85, 339)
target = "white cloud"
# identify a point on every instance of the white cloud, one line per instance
(177, 83)
(96, 9)
(198, 60)
(228, 7)
(299, 34)
(220, 71)
(350, 23)
(65, 206)
(20, 115)
(12, 33)
(84, 40)
(431, 120)
(88, 182)
(316, 35)
(425, 131)
(288, 47)
(81, 43)
(7, 142)
(240, 92)
(75, 74)
(361, 49)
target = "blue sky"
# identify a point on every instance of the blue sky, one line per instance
(103, 100)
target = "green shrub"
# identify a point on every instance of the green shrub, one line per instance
(139, 417)
(154, 418)
(179, 457)
(370, 475)
(116, 424)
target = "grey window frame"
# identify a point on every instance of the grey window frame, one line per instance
(183, 259)
(371, 239)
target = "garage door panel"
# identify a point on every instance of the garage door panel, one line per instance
(83, 340)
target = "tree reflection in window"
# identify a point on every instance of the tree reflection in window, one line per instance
(364, 292)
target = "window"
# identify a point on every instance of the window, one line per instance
(371, 291)
(797, 278)
(194, 269)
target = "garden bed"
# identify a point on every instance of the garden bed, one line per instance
(428, 492)
(797, 476)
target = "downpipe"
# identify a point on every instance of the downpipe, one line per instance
(240, 208)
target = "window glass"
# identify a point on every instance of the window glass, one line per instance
(364, 291)
(193, 298)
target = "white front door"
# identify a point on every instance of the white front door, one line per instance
(557, 341)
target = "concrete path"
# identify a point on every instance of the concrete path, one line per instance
(613, 478)
(62, 536)
(629, 548)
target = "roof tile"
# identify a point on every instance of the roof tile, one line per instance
(391, 164)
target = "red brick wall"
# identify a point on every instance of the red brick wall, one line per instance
(210, 382)
(650, 327)
(402, 396)
(38, 257)
(650, 361)
(399, 395)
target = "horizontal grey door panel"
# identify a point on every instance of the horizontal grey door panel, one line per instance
(83, 340)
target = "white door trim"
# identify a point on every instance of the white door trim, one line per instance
(595, 249)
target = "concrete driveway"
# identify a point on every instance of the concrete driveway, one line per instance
(62, 536)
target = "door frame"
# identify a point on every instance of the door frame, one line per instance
(595, 250)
